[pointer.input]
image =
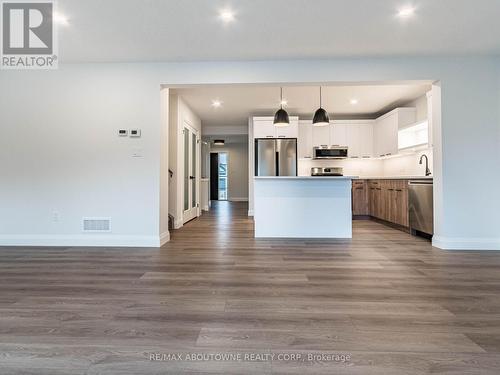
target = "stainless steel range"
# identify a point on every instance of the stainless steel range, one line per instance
(329, 171)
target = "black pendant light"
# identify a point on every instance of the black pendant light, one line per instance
(281, 116)
(321, 117)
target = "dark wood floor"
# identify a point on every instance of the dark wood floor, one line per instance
(390, 301)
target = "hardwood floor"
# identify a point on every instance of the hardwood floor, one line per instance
(390, 301)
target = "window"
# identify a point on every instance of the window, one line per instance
(223, 176)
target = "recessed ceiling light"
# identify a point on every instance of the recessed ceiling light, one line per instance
(354, 101)
(216, 103)
(227, 15)
(406, 12)
(60, 19)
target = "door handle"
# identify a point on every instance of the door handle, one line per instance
(192, 177)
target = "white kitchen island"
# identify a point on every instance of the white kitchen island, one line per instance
(303, 207)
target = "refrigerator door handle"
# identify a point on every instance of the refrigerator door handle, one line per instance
(277, 160)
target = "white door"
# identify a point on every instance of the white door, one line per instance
(191, 177)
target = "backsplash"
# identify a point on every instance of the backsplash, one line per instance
(352, 167)
(406, 165)
(401, 165)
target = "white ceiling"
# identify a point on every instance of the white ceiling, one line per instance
(241, 101)
(190, 30)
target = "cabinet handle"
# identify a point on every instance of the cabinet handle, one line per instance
(390, 189)
(281, 136)
(389, 154)
(269, 136)
(399, 189)
(366, 157)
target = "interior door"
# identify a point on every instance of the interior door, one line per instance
(191, 177)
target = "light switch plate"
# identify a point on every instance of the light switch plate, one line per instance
(135, 133)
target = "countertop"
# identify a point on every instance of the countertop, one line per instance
(306, 177)
(396, 178)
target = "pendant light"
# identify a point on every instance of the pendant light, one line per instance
(281, 116)
(321, 117)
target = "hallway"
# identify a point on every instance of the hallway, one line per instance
(389, 301)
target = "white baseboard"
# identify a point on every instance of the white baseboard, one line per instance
(238, 199)
(457, 243)
(94, 240)
(250, 212)
(164, 238)
(178, 223)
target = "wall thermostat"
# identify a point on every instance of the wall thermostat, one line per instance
(135, 133)
(122, 132)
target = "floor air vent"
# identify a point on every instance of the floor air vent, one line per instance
(97, 224)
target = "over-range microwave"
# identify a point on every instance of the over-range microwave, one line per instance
(332, 152)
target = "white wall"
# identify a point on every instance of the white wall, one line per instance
(60, 153)
(420, 105)
(59, 148)
(238, 169)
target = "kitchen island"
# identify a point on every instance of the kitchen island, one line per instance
(303, 207)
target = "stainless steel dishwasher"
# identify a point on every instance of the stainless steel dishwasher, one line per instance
(421, 206)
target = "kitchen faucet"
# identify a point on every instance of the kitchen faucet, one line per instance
(427, 170)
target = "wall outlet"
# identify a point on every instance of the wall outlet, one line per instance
(122, 132)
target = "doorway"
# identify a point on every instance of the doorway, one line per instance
(219, 178)
(191, 199)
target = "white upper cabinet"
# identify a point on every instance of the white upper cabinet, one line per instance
(386, 130)
(338, 133)
(320, 136)
(305, 140)
(291, 131)
(357, 135)
(263, 127)
(365, 140)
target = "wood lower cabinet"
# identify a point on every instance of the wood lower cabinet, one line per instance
(383, 199)
(399, 203)
(360, 199)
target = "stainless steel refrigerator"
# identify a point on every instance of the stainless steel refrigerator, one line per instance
(276, 157)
